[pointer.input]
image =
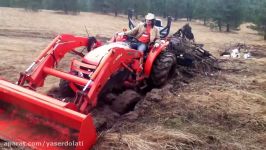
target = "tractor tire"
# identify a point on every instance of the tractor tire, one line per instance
(125, 102)
(163, 68)
(65, 89)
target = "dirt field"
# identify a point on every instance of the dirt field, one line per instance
(226, 111)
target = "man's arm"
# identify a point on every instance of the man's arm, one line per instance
(134, 31)
(157, 37)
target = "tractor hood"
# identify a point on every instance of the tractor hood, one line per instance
(95, 56)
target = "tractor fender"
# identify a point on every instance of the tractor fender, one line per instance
(151, 58)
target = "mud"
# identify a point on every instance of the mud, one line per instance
(109, 109)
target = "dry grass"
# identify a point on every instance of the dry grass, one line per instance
(149, 138)
(227, 111)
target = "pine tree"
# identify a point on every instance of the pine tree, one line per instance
(260, 18)
(202, 10)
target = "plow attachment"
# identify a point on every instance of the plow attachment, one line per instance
(38, 121)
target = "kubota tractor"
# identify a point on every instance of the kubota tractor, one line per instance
(28, 116)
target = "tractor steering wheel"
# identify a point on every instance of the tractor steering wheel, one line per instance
(132, 39)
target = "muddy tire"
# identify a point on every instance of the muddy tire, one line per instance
(125, 102)
(65, 89)
(163, 68)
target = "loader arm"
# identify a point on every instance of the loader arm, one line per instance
(116, 59)
(35, 75)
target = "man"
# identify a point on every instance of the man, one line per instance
(145, 33)
(186, 32)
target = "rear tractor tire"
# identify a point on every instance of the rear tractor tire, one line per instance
(163, 68)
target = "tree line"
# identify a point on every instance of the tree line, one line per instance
(223, 14)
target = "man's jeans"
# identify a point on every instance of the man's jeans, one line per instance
(139, 46)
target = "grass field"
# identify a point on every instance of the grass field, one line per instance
(227, 111)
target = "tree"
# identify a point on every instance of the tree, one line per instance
(180, 6)
(260, 18)
(67, 6)
(141, 7)
(32, 5)
(100, 6)
(202, 10)
(189, 9)
(117, 6)
(5, 3)
(233, 14)
(216, 13)
(228, 12)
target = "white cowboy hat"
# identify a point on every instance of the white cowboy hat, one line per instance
(150, 16)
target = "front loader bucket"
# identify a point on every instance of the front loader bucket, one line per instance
(37, 121)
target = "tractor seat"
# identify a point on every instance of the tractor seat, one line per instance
(158, 23)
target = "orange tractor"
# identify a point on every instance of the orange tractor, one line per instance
(28, 116)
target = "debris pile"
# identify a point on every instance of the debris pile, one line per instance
(192, 57)
(236, 51)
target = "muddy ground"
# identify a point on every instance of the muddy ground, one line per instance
(224, 111)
